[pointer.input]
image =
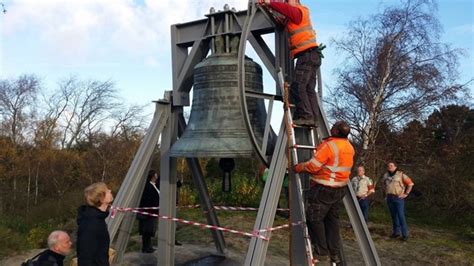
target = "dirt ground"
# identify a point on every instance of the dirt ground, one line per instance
(425, 247)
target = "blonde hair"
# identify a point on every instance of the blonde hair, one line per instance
(95, 193)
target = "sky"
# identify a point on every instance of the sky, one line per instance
(128, 41)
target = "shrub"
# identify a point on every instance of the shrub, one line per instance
(187, 196)
(37, 237)
(10, 241)
(245, 192)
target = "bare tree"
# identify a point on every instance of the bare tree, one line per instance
(17, 101)
(396, 68)
(54, 105)
(127, 121)
(86, 105)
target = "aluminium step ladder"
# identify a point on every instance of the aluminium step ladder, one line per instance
(293, 160)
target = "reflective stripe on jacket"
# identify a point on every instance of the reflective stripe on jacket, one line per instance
(302, 36)
(331, 164)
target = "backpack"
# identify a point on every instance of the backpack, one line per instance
(32, 261)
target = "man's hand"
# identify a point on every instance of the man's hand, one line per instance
(263, 2)
(298, 168)
(404, 195)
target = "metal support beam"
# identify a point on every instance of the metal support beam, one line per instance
(268, 204)
(124, 235)
(264, 52)
(323, 125)
(184, 80)
(189, 32)
(138, 167)
(206, 203)
(198, 52)
(128, 219)
(166, 231)
(282, 61)
(179, 54)
(133, 184)
(360, 228)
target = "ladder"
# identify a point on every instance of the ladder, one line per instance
(293, 160)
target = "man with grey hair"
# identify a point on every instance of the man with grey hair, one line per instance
(59, 245)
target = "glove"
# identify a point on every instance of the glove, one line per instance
(320, 49)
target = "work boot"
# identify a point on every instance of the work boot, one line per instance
(149, 250)
(304, 122)
(335, 259)
(321, 259)
(394, 236)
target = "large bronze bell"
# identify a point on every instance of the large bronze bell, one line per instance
(216, 126)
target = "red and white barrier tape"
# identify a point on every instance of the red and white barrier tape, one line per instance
(221, 208)
(201, 225)
(280, 227)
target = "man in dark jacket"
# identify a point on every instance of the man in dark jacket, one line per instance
(59, 245)
(147, 224)
(92, 235)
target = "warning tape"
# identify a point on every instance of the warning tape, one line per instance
(280, 227)
(201, 225)
(220, 208)
(256, 233)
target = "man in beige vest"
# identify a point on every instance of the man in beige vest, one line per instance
(363, 187)
(396, 186)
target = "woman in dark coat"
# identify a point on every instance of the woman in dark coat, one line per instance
(147, 224)
(92, 235)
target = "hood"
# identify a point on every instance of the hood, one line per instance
(88, 212)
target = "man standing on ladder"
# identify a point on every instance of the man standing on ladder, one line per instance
(330, 169)
(303, 46)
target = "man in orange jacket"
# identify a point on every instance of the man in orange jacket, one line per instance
(303, 46)
(330, 169)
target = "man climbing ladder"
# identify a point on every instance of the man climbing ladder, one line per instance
(304, 48)
(330, 169)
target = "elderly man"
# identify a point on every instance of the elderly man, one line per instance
(363, 188)
(59, 245)
(330, 169)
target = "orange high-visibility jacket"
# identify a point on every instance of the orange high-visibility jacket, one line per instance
(302, 36)
(331, 164)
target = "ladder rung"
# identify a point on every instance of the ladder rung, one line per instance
(296, 146)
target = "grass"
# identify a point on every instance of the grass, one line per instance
(426, 245)
(242, 221)
(433, 239)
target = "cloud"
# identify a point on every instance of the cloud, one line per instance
(89, 29)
